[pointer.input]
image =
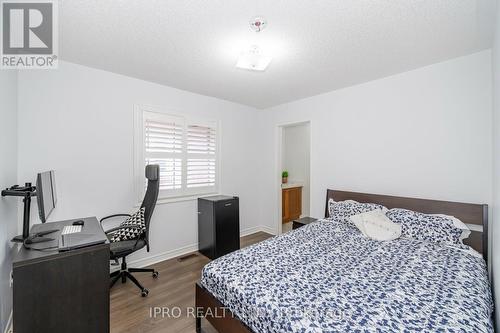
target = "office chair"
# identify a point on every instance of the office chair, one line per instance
(121, 249)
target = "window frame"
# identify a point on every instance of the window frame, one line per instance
(185, 193)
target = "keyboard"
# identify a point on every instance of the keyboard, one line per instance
(71, 229)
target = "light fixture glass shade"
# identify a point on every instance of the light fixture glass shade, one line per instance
(253, 59)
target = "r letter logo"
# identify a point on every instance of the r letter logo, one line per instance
(29, 34)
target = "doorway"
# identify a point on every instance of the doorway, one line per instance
(294, 162)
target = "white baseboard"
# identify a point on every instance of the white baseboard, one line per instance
(249, 231)
(267, 229)
(8, 327)
(151, 260)
(154, 259)
(259, 228)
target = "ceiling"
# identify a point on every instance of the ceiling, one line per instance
(317, 46)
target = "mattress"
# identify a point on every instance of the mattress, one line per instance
(327, 277)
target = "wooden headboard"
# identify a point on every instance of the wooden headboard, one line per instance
(474, 215)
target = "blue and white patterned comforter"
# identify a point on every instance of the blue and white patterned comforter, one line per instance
(326, 277)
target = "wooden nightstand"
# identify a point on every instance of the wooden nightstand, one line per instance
(297, 223)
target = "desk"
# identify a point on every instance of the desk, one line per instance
(61, 291)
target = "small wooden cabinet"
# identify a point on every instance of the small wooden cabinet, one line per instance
(291, 206)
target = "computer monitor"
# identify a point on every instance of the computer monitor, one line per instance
(46, 194)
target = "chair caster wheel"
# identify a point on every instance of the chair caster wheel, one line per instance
(155, 274)
(144, 292)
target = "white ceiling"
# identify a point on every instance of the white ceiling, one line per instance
(318, 46)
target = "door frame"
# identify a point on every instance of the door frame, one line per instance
(279, 167)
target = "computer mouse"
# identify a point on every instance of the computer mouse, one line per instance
(79, 222)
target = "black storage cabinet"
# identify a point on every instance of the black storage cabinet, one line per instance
(218, 225)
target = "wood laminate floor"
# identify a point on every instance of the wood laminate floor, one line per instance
(173, 291)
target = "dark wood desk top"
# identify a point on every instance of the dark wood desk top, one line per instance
(25, 256)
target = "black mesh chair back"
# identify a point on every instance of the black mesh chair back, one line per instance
(149, 202)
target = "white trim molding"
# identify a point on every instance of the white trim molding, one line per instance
(171, 254)
(268, 230)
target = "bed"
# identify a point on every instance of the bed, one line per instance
(327, 277)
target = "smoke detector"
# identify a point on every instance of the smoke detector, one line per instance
(258, 24)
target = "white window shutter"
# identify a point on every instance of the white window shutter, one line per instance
(185, 150)
(163, 137)
(201, 139)
(170, 172)
(163, 145)
(201, 156)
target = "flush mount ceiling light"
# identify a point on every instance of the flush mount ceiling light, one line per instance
(253, 58)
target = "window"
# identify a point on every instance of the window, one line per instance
(186, 150)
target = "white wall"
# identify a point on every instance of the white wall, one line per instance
(8, 177)
(295, 159)
(495, 235)
(79, 122)
(424, 133)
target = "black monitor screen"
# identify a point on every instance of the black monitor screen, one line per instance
(45, 192)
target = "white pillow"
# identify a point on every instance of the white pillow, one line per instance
(375, 225)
